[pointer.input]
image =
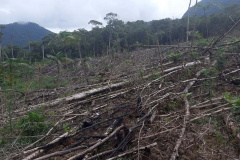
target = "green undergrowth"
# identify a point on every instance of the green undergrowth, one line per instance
(24, 86)
(26, 129)
(235, 105)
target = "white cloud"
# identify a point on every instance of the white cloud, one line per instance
(59, 15)
(22, 23)
(4, 11)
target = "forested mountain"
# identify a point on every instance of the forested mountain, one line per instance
(209, 7)
(18, 33)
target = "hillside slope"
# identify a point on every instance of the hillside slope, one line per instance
(211, 6)
(19, 33)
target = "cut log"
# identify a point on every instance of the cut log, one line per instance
(78, 96)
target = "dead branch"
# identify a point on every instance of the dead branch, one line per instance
(76, 96)
(186, 118)
(209, 114)
(99, 155)
(91, 92)
(61, 153)
(48, 133)
(231, 124)
(181, 136)
(226, 33)
(132, 151)
(206, 105)
(39, 150)
(96, 145)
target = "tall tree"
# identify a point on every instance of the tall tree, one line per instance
(12, 46)
(94, 24)
(205, 7)
(110, 18)
(76, 40)
(29, 45)
(188, 19)
(62, 39)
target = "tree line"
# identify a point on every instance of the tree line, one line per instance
(119, 37)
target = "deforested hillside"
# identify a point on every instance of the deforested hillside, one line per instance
(165, 89)
(163, 102)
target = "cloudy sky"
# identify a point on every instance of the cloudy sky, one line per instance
(59, 15)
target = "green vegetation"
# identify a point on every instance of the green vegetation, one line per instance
(175, 57)
(19, 74)
(235, 105)
(221, 61)
(121, 37)
(30, 128)
(209, 84)
(33, 78)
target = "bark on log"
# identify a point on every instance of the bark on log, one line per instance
(78, 96)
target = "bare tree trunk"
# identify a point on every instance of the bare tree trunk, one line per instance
(79, 50)
(0, 51)
(43, 54)
(195, 18)
(29, 40)
(12, 46)
(160, 56)
(29, 46)
(107, 50)
(94, 45)
(188, 19)
(12, 52)
(109, 44)
(206, 21)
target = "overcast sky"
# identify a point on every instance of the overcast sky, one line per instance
(60, 15)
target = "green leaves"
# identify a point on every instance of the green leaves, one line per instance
(231, 99)
(32, 125)
(235, 104)
(175, 56)
(196, 34)
(65, 126)
(188, 94)
(95, 23)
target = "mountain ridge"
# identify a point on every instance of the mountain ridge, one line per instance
(18, 33)
(211, 7)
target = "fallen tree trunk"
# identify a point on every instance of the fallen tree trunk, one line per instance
(92, 92)
(190, 64)
(78, 96)
(186, 118)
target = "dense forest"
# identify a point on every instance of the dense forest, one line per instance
(163, 90)
(118, 36)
